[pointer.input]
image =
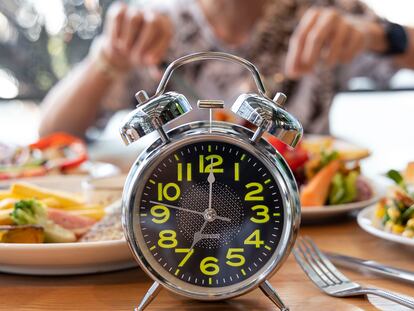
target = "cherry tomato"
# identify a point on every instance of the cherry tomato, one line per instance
(295, 158)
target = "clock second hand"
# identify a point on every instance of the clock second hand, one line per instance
(177, 207)
(188, 210)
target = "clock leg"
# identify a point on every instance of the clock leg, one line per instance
(270, 292)
(149, 296)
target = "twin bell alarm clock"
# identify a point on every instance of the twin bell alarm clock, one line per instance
(210, 209)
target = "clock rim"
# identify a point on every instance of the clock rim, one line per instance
(221, 132)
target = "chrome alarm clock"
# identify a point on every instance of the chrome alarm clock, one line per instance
(210, 209)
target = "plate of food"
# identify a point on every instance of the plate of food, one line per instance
(57, 154)
(392, 218)
(51, 227)
(329, 177)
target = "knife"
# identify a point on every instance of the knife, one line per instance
(371, 266)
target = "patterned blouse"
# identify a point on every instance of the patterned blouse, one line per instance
(309, 98)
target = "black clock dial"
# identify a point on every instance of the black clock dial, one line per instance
(211, 214)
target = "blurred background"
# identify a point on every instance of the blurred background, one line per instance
(40, 41)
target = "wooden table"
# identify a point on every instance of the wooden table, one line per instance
(123, 290)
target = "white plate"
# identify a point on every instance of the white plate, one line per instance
(365, 221)
(63, 258)
(327, 212)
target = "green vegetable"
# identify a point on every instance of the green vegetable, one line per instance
(408, 213)
(397, 178)
(398, 204)
(327, 157)
(351, 190)
(337, 191)
(32, 212)
(386, 217)
(343, 188)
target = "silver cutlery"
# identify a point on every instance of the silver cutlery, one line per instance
(371, 266)
(331, 281)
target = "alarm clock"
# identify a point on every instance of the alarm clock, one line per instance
(210, 209)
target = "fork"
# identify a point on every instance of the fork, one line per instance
(330, 280)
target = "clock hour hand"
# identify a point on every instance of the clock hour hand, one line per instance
(198, 236)
(188, 210)
(210, 236)
(223, 218)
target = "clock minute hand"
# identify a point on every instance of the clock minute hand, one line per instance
(211, 179)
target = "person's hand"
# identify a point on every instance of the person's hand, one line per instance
(324, 34)
(132, 37)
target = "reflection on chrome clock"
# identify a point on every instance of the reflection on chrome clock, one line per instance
(211, 214)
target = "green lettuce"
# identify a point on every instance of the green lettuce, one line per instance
(343, 188)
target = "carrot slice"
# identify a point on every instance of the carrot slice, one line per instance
(316, 191)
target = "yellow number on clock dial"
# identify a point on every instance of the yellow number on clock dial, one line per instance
(213, 162)
(262, 211)
(252, 195)
(236, 171)
(234, 259)
(170, 191)
(180, 171)
(254, 239)
(186, 257)
(209, 266)
(161, 214)
(167, 239)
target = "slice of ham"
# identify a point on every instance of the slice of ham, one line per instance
(77, 224)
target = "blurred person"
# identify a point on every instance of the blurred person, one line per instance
(307, 49)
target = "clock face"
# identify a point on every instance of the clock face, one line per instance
(210, 214)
